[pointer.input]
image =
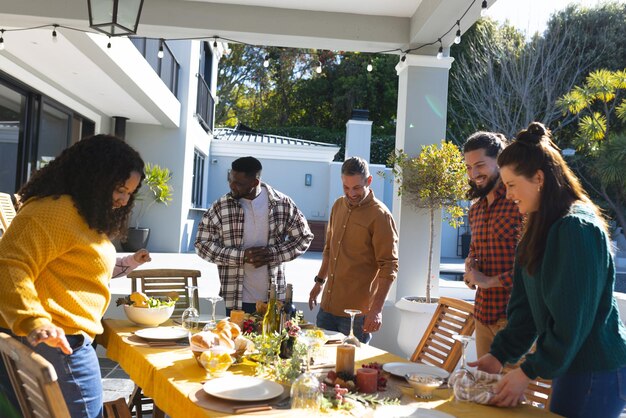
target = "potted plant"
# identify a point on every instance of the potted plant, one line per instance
(433, 180)
(155, 189)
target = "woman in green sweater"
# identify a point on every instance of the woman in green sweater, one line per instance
(56, 260)
(563, 280)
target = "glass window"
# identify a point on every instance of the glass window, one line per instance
(54, 134)
(12, 106)
(198, 179)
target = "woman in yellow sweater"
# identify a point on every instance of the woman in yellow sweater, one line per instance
(56, 261)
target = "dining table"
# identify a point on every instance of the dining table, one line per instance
(171, 376)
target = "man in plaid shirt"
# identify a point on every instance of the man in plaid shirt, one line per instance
(495, 223)
(249, 233)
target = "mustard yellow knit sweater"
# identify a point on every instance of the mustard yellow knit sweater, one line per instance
(54, 269)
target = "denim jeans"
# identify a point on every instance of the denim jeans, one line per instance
(342, 324)
(592, 395)
(78, 376)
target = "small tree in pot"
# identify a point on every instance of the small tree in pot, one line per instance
(155, 189)
(433, 180)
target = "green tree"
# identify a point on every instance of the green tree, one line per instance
(600, 139)
(433, 180)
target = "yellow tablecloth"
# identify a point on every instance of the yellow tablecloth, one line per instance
(168, 375)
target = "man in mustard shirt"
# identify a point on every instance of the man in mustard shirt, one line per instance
(360, 259)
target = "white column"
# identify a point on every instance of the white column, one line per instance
(422, 109)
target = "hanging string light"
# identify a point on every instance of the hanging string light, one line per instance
(160, 54)
(440, 52)
(318, 69)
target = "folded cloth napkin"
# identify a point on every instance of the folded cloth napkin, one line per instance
(479, 390)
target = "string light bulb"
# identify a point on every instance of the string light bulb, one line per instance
(440, 52)
(1, 39)
(483, 9)
(160, 54)
(55, 38)
(370, 67)
(214, 42)
(457, 38)
(318, 69)
(403, 58)
(266, 61)
(109, 44)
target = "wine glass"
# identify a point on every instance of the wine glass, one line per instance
(305, 390)
(462, 378)
(190, 316)
(212, 323)
(352, 339)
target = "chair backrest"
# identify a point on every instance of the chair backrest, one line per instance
(7, 211)
(437, 347)
(161, 282)
(34, 380)
(539, 391)
(116, 409)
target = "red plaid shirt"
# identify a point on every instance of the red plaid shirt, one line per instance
(495, 232)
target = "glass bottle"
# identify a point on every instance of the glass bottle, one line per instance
(272, 316)
(288, 310)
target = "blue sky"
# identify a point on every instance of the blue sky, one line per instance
(531, 15)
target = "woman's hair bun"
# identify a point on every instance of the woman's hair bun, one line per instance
(535, 132)
(537, 128)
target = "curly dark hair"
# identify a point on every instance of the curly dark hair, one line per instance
(89, 171)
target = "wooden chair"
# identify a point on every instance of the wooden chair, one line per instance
(161, 282)
(34, 382)
(538, 392)
(437, 347)
(116, 409)
(7, 211)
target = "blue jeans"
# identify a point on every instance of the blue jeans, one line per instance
(78, 376)
(342, 324)
(593, 394)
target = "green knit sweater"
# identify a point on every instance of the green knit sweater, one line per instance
(567, 306)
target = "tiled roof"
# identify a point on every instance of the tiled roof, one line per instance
(230, 134)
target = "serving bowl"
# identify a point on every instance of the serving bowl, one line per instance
(149, 317)
(423, 384)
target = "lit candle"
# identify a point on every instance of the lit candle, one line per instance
(345, 358)
(367, 380)
(236, 316)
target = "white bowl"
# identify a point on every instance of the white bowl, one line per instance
(150, 317)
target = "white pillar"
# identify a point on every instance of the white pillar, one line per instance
(358, 139)
(422, 109)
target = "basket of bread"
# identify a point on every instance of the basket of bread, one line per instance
(225, 338)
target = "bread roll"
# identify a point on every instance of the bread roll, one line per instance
(225, 340)
(204, 339)
(235, 330)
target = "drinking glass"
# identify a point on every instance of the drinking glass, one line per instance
(305, 390)
(462, 379)
(212, 323)
(352, 339)
(190, 316)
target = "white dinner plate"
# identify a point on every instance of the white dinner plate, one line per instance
(408, 411)
(333, 335)
(162, 333)
(400, 369)
(242, 388)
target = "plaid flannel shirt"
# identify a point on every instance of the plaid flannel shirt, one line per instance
(220, 241)
(495, 232)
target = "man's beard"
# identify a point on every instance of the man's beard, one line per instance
(476, 192)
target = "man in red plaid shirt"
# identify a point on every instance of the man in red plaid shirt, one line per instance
(495, 223)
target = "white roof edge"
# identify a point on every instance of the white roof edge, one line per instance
(275, 151)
